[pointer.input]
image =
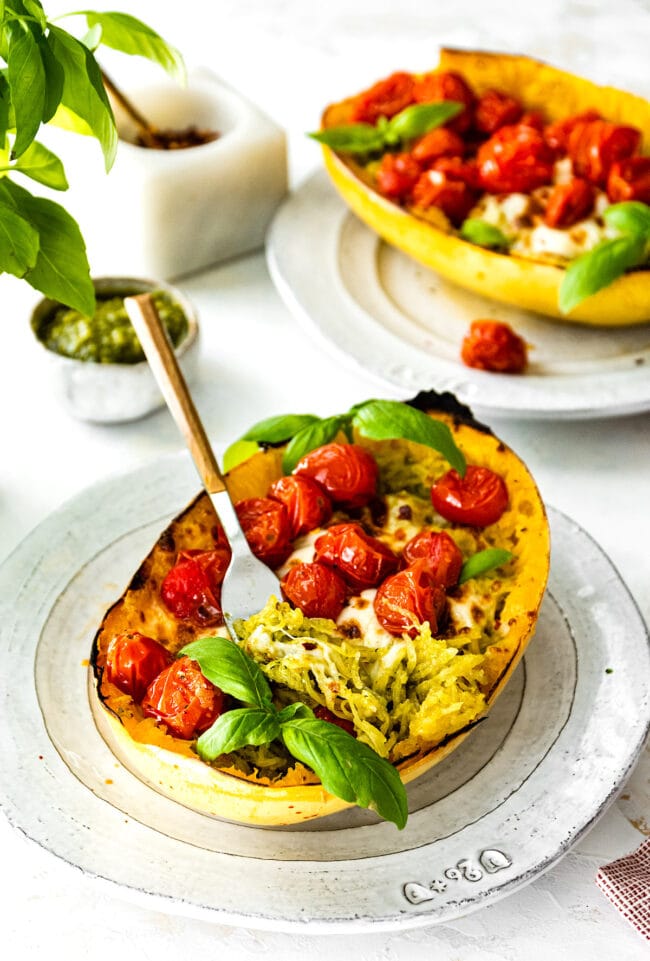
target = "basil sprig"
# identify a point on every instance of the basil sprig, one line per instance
(346, 767)
(374, 419)
(480, 232)
(484, 561)
(412, 122)
(598, 268)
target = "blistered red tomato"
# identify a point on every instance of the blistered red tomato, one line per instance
(132, 662)
(569, 203)
(191, 589)
(440, 142)
(348, 472)
(557, 134)
(595, 145)
(318, 590)
(409, 598)
(447, 85)
(397, 174)
(265, 522)
(308, 504)
(533, 118)
(183, 699)
(384, 99)
(363, 561)
(496, 109)
(324, 714)
(441, 553)
(493, 345)
(629, 180)
(457, 168)
(478, 499)
(438, 189)
(516, 159)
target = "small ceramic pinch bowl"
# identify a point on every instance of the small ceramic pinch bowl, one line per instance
(109, 393)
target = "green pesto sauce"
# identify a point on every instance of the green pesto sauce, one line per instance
(108, 336)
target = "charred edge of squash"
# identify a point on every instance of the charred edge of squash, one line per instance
(431, 402)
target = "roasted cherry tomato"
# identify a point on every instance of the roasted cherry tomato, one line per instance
(191, 589)
(478, 499)
(397, 174)
(533, 118)
(409, 598)
(596, 144)
(447, 85)
(440, 142)
(457, 168)
(185, 701)
(493, 345)
(569, 203)
(384, 99)
(324, 714)
(132, 662)
(440, 551)
(629, 180)
(308, 504)
(516, 159)
(438, 189)
(348, 472)
(362, 560)
(265, 522)
(318, 590)
(557, 134)
(496, 109)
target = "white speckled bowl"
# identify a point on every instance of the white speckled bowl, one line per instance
(111, 393)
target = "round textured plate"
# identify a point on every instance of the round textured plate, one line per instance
(403, 324)
(501, 809)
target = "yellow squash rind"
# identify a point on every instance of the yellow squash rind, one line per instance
(512, 280)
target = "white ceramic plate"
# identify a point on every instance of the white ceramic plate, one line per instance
(501, 809)
(403, 324)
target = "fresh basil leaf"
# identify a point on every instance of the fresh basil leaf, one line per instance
(235, 729)
(389, 419)
(238, 452)
(92, 37)
(34, 8)
(125, 33)
(26, 76)
(630, 217)
(347, 768)
(61, 270)
(228, 667)
(483, 561)
(598, 268)
(351, 138)
(309, 438)
(18, 242)
(295, 710)
(83, 90)
(53, 79)
(5, 104)
(420, 118)
(42, 165)
(277, 430)
(479, 232)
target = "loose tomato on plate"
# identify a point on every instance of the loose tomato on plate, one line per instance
(183, 699)
(477, 499)
(266, 525)
(191, 589)
(493, 345)
(132, 662)
(440, 551)
(348, 473)
(308, 504)
(406, 600)
(317, 589)
(363, 561)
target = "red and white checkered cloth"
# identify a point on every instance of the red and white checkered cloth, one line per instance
(626, 882)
